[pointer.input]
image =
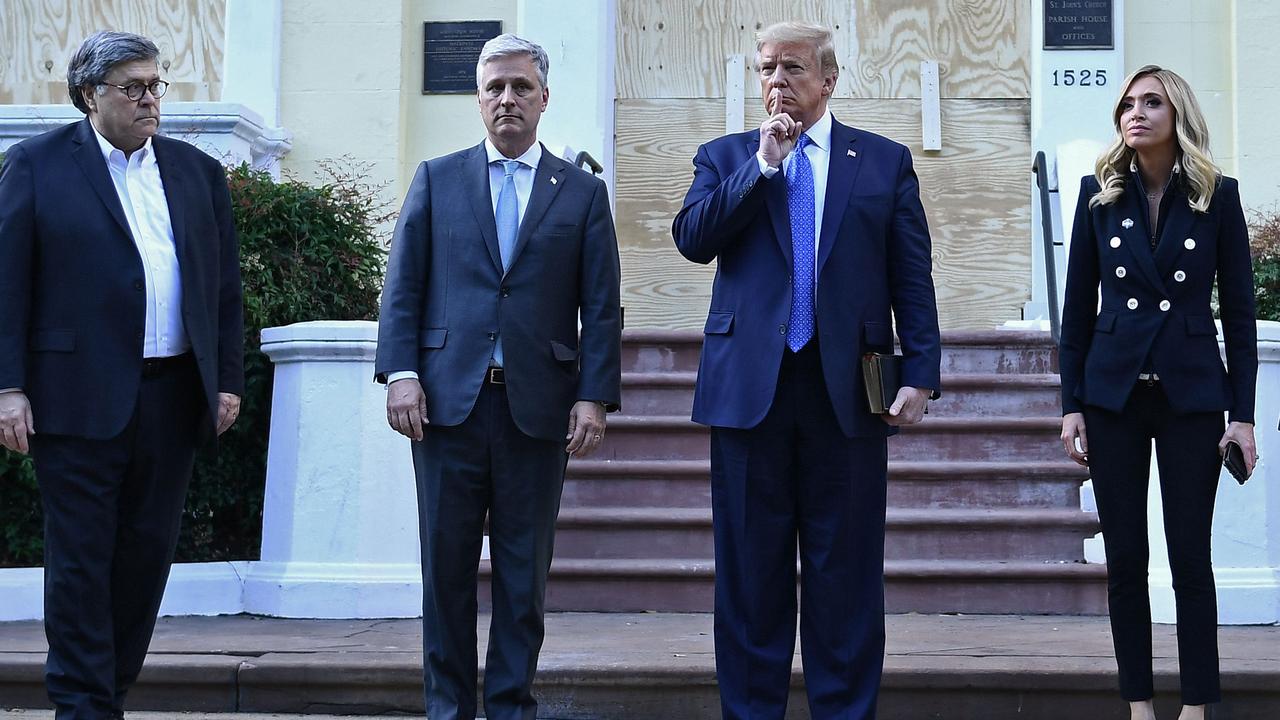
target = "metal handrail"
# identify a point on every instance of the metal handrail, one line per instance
(1041, 170)
(584, 158)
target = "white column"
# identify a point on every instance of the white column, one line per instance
(1246, 520)
(251, 75)
(340, 524)
(1257, 100)
(580, 39)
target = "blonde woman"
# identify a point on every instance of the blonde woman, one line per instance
(1155, 225)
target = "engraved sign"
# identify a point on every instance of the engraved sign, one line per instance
(1079, 24)
(450, 52)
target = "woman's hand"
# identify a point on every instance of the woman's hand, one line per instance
(1242, 433)
(1073, 430)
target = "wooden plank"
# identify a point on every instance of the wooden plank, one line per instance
(676, 48)
(981, 230)
(38, 37)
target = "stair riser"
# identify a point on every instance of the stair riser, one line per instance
(694, 443)
(965, 595)
(999, 542)
(677, 400)
(968, 492)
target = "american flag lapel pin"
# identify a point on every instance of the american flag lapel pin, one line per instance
(553, 180)
(853, 154)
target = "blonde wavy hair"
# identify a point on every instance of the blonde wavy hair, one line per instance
(1192, 133)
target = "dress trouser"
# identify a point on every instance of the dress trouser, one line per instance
(485, 466)
(112, 509)
(1119, 463)
(795, 476)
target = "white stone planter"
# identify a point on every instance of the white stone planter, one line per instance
(340, 523)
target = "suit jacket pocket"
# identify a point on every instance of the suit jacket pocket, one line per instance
(719, 323)
(434, 337)
(1106, 322)
(877, 335)
(53, 340)
(1201, 325)
(563, 352)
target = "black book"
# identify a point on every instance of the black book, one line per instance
(882, 377)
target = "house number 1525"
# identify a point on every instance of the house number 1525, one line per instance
(1084, 78)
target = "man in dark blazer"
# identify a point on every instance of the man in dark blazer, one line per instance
(821, 244)
(500, 250)
(121, 350)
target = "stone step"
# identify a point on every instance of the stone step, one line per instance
(924, 586)
(963, 394)
(1000, 439)
(983, 351)
(687, 483)
(963, 534)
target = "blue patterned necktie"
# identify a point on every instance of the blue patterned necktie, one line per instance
(800, 204)
(507, 217)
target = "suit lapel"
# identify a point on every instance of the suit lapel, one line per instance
(1135, 237)
(174, 193)
(89, 157)
(842, 171)
(776, 201)
(475, 181)
(1177, 229)
(546, 185)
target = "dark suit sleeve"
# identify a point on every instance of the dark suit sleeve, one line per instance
(17, 210)
(716, 210)
(230, 292)
(403, 293)
(600, 376)
(1236, 302)
(1080, 306)
(915, 305)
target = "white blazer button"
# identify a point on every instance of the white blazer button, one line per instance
(1133, 303)
(1180, 276)
(1115, 242)
(1121, 272)
(1164, 306)
(1189, 244)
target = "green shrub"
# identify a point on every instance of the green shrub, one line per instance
(1264, 241)
(306, 253)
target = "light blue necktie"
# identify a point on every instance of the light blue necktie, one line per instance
(507, 217)
(800, 204)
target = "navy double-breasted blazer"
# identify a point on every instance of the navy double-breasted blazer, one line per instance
(1155, 305)
(874, 267)
(72, 300)
(446, 296)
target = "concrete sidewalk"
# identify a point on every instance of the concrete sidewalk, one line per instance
(648, 666)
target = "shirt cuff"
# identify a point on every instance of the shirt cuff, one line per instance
(9, 390)
(401, 375)
(765, 169)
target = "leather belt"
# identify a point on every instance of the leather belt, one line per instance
(495, 376)
(157, 366)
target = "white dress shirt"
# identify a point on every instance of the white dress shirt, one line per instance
(819, 153)
(523, 179)
(141, 192)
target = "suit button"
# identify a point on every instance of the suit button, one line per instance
(1180, 276)
(1115, 241)
(782, 329)
(506, 292)
(493, 336)
(1121, 272)
(137, 285)
(1189, 244)
(1132, 304)
(1165, 305)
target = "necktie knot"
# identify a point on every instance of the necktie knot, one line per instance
(509, 167)
(802, 142)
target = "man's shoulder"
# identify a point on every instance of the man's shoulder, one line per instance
(873, 140)
(734, 141)
(454, 157)
(56, 139)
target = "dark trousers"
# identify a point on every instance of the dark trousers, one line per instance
(795, 476)
(112, 509)
(1119, 462)
(485, 466)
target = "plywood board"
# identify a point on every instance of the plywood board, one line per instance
(676, 48)
(975, 191)
(38, 37)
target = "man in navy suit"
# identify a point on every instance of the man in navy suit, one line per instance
(499, 250)
(121, 342)
(820, 237)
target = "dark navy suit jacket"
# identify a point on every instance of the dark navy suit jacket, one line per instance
(446, 296)
(1156, 304)
(873, 268)
(72, 300)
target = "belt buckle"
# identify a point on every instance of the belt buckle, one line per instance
(496, 376)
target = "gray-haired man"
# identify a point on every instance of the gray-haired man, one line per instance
(121, 340)
(499, 250)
